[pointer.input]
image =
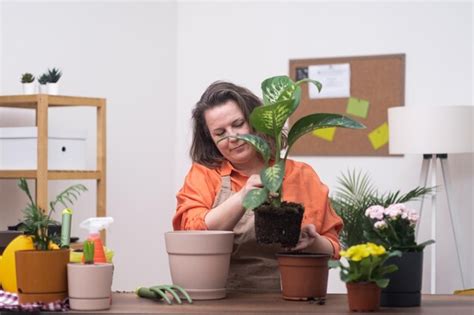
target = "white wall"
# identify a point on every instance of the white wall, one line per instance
(175, 50)
(125, 52)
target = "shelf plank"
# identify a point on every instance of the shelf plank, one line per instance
(30, 101)
(52, 174)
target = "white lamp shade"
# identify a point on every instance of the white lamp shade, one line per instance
(430, 129)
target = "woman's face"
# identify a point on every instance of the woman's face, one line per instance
(228, 120)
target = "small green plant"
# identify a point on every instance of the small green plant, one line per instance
(36, 220)
(366, 264)
(281, 98)
(89, 248)
(355, 194)
(27, 78)
(43, 79)
(54, 75)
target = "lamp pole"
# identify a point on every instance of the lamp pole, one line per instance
(429, 164)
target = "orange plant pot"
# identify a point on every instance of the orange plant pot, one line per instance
(304, 276)
(41, 275)
(363, 296)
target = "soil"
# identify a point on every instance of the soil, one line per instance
(280, 225)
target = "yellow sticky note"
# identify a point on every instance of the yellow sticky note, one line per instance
(379, 136)
(357, 107)
(325, 133)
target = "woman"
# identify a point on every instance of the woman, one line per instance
(223, 172)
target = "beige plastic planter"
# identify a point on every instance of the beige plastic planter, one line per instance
(199, 261)
(90, 286)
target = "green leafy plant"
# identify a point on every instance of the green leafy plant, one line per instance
(88, 250)
(27, 78)
(281, 97)
(365, 263)
(354, 195)
(36, 220)
(43, 79)
(54, 75)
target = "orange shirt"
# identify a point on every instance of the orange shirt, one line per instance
(301, 184)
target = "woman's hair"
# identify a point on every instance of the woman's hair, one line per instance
(203, 149)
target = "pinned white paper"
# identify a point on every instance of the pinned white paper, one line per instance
(336, 80)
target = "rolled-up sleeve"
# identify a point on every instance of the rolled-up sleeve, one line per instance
(194, 199)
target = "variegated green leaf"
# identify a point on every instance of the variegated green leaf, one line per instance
(317, 121)
(255, 198)
(318, 84)
(272, 177)
(271, 119)
(258, 143)
(277, 89)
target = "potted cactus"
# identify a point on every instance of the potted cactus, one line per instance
(90, 283)
(43, 81)
(53, 77)
(28, 81)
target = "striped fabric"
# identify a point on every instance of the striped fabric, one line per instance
(9, 302)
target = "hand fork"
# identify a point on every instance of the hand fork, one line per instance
(159, 292)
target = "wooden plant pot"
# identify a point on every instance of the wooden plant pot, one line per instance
(304, 276)
(41, 275)
(199, 261)
(279, 225)
(363, 296)
(90, 286)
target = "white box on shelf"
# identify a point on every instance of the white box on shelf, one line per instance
(18, 149)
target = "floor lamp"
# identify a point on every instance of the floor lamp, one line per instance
(435, 132)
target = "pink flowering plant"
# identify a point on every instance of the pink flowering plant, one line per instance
(394, 227)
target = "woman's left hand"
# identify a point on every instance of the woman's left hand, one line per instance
(307, 237)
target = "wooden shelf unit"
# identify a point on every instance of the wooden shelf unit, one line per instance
(40, 103)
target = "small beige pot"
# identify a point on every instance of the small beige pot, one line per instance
(199, 261)
(90, 286)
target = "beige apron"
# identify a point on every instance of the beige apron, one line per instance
(253, 267)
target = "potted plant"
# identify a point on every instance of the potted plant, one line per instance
(364, 274)
(43, 81)
(53, 77)
(278, 221)
(393, 226)
(34, 284)
(90, 283)
(354, 194)
(27, 79)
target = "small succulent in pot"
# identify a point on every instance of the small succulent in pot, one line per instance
(43, 79)
(54, 75)
(27, 78)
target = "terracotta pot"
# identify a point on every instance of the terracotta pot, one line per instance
(280, 225)
(363, 296)
(304, 276)
(41, 275)
(199, 261)
(90, 286)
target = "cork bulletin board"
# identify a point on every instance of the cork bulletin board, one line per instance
(376, 83)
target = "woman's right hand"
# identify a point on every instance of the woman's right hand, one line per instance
(252, 183)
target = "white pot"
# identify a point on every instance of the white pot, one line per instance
(29, 88)
(199, 261)
(43, 89)
(89, 286)
(53, 88)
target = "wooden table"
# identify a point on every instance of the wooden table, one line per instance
(272, 303)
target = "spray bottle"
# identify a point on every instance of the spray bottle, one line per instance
(94, 226)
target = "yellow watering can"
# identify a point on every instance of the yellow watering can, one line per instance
(7, 262)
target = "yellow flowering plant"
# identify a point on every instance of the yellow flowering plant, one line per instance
(365, 263)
